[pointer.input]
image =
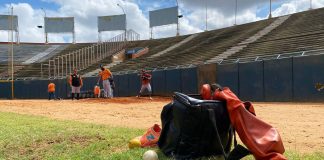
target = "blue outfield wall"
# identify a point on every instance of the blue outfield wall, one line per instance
(89, 83)
(278, 82)
(116, 81)
(290, 79)
(31, 89)
(5, 90)
(251, 81)
(60, 88)
(189, 81)
(307, 71)
(159, 83)
(227, 76)
(123, 85)
(173, 81)
(134, 84)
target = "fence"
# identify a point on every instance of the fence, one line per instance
(269, 57)
(280, 79)
(283, 80)
(63, 65)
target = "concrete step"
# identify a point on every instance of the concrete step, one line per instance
(237, 48)
(174, 46)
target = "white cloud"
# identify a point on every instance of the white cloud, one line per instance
(297, 6)
(220, 15)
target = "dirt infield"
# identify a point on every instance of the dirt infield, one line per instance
(301, 125)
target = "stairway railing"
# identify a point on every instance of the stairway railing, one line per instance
(63, 65)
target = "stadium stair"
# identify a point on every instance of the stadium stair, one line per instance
(41, 55)
(155, 46)
(34, 70)
(96, 71)
(303, 31)
(249, 40)
(25, 54)
(201, 48)
(174, 46)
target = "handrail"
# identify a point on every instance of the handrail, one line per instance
(89, 55)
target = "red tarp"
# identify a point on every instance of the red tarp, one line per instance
(259, 137)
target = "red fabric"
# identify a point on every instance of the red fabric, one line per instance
(205, 92)
(259, 137)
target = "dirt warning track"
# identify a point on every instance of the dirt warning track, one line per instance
(301, 125)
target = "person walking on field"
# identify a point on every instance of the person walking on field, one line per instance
(51, 91)
(76, 83)
(105, 75)
(146, 80)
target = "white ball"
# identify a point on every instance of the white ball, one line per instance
(150, 155)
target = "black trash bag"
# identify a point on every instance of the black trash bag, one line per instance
(193, 128)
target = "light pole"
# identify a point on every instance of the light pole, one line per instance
(270, 16)
(11, 50)
(310, 5)
(178, 19)
(46, 40)
(235, 12)
(206, 16)
(125, 20)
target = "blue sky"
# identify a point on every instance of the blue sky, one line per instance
(220, 15)
(144, 5)
(35, 3)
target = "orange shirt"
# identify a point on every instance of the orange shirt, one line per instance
(105, 74)
(51, 87)
(96, 90)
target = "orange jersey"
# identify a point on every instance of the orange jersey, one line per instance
(51, 87)
(96, 90)
(105, 74)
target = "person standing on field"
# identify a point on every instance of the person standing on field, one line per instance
(105, 75)
(96, 91)
(51, 91)
(76, 84)
(146, 80)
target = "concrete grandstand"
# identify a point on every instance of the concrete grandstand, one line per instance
(271, 37)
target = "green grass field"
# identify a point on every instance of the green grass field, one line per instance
(34, 137)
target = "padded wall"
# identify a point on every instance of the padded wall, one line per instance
(307, 71)
(5, 90)
(159, 82)
(227, 76)
(251, 81)
(278, 80)
(189, 81)
(123, 85)
(31, 89)
(134, 84)
(173, 81)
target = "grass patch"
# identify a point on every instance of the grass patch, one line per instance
(34, 137)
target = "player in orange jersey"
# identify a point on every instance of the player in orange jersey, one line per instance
(51, 90)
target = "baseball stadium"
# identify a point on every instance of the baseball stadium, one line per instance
(162, 79)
